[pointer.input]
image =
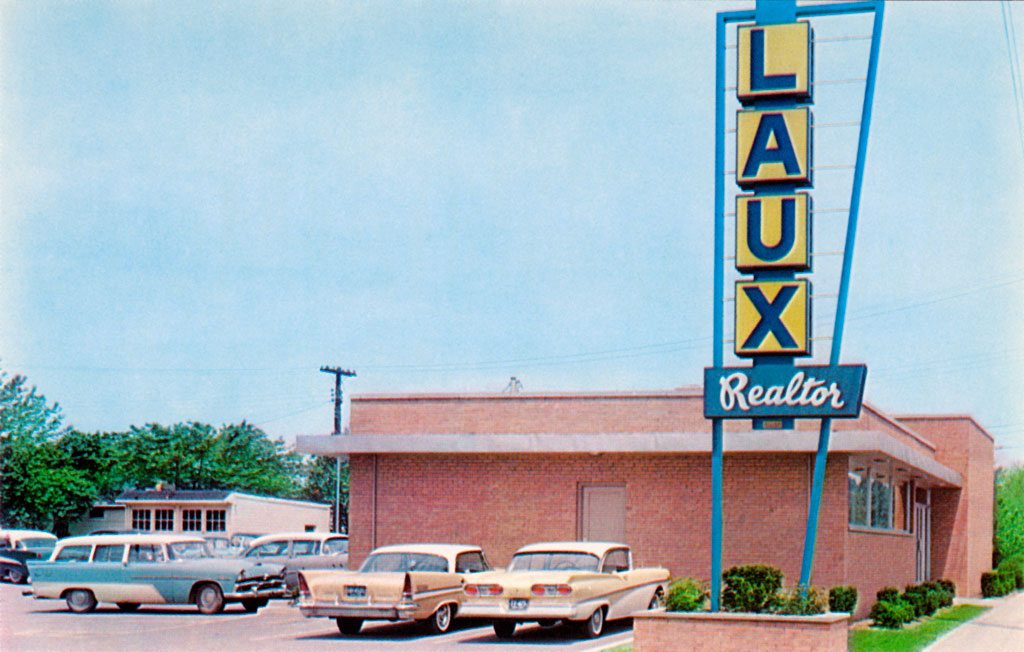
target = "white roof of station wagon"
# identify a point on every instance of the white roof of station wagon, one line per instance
(302, 536)
(106, 539)
(598, 548)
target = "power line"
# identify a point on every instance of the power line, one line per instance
(1011, 51)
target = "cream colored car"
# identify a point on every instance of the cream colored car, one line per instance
(421, 582)
(585, 583)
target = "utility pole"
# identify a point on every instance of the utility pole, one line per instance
(338, 373)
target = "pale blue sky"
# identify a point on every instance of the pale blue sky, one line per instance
(204, 202)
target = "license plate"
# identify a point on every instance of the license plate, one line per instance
(518, 604)
(355, 591)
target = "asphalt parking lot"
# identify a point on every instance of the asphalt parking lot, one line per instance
(29, 625)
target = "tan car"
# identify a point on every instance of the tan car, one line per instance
(582, 582)
(421, 582)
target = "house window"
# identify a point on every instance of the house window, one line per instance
(140, 519)
(164, 520)
(192, 520)
(215, 520)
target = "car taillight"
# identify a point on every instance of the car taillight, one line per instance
(483, 589)
(551, 589)
(303, 586)
(407, 589)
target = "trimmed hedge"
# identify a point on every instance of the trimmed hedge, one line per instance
(795, 602)
(997, 583)
(1015, 566)
(751, 589)
(686, 594)
(893, 608)
(891, 615)
(842, 598)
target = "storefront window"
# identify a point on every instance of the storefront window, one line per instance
(858, 497)
(871, 497)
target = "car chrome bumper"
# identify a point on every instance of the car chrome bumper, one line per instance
(256, 595)
(367, 611)
(532, 612)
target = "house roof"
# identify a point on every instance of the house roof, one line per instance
(183, 495)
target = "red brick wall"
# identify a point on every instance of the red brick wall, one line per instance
(727, 632)
(875, 560)
(503, 502)
(961, 519)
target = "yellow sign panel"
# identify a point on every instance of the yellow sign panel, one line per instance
(774, 61)
(773, 232)
(773, 317)
(773, 146)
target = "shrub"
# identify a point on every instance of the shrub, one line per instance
(995, 583)
(891, 615)
(797, 602)
(915, 597)
(947, 585)
(752, 589)
(1015, 566)
(686, 594)
(842, 598)
(887, 594)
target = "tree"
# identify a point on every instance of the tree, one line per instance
(40, 487)
(1009, 526)
(320, 484)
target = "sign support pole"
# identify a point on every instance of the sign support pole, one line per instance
(810, 537)
(719, 299)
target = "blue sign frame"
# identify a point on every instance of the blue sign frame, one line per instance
(778, 391)
(768, 12)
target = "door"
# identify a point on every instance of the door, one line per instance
(922, 538)
(603, 512)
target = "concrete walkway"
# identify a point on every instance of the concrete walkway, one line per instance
(1000, 629)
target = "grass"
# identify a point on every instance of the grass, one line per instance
(913, 637)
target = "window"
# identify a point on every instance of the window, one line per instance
(192, 520)
(471, 562)
(164, 520)
(304, 548)
(876, 499)
(400, 562)
(140, 519)
(114, 553)
(146, 554)
(215, 520)
(269, 549)
(335, 546)
(615, 561)
(74, 553)
(97, 512)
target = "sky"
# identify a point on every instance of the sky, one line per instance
(202, 203)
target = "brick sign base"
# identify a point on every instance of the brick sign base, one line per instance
(661, 631)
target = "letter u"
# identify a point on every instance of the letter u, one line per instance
(756, 244)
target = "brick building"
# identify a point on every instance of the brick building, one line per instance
(906, 498)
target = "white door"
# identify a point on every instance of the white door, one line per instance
(922, 537)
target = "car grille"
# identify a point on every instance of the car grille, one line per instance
(260, 583)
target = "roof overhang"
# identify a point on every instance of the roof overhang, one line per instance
(843, 441)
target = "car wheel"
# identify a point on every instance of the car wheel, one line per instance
(349, 626)
(504, 628)
(17, 575)
(254, 604)
(128, 606)
(592, 627)
(81, 601)
(209, 599)
(441, 621)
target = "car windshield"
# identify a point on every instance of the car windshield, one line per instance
(400, 562)
(535, 561)
(189, 550)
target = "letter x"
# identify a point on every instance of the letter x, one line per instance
(770, 312)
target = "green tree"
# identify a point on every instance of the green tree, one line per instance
(1009, 526)
(320, 485)
(40, 487)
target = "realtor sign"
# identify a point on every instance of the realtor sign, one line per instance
(774, 162)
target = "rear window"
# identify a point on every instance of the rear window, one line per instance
(534, 561)
(335, 546)
(74, 553)
(109, 553)
(400, 562)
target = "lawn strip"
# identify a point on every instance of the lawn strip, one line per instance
(916, 636)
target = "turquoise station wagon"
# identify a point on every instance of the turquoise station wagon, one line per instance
(134, 569)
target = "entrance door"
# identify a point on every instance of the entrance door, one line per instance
(603, 513)
(923, 539)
